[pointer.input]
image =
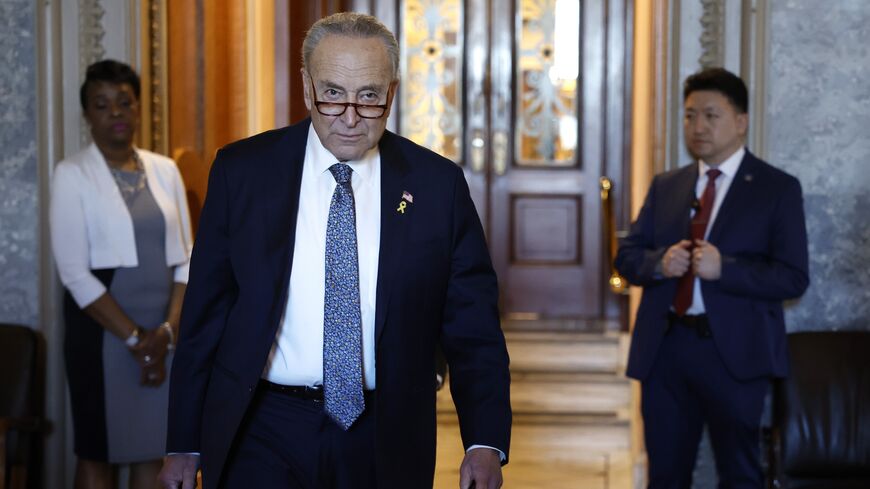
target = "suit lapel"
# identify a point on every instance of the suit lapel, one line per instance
(280, 216)
(737, 196)
(683, 197)
(394, 225)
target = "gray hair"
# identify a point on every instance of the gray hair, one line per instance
(350, 24)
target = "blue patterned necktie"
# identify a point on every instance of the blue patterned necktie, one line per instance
(342, 320)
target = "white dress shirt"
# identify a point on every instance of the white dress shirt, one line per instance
(729, 169)
(297, 354)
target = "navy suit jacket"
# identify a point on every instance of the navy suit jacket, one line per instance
(435, 285)
(761, 235)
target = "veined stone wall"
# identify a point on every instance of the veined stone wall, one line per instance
(19, 184)
(819, 115)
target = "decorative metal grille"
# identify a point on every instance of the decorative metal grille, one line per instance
(431, 90)
(548, 61)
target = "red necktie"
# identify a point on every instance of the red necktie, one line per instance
(686, 285)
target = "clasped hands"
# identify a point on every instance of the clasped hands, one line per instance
(150, 353)
(702, 257)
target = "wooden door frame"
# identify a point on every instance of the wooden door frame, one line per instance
(292, 21)
(618, 139)
(617, 33)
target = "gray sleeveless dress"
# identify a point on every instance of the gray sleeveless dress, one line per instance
(135, 414)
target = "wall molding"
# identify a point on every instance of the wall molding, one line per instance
(760, 54)
(157, 79)
(671, 20)
(712, 33)
(91, 49)
(91, 33)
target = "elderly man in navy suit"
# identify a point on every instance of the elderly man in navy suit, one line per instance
(717, 247)
(332, 257)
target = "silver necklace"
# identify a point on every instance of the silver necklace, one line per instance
(129, 191)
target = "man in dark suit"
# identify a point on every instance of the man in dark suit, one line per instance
(331, 258)
(717, 247)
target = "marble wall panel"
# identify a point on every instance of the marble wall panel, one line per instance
(19, 240)
(819, 115)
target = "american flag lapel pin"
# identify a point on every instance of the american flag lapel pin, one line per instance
(407, 198)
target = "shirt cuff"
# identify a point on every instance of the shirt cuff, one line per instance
(501, 455)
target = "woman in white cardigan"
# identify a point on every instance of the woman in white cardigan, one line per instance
(121, 239)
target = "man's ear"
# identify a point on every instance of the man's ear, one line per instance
(391, 94)
(742, 123)
(306, 89)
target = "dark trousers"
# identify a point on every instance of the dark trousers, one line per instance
(687, 387)
(289, 443)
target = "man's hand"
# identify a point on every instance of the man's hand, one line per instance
(676, 261)
(481, 466)
(706, 260)
(179, 471)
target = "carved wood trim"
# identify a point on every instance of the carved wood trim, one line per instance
(712, 33)
(157, 61)
(91, 33)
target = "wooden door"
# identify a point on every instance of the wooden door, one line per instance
(529, 97)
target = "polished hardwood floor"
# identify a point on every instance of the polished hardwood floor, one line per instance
(572, 416)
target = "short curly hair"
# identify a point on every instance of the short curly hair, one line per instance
(109, 70)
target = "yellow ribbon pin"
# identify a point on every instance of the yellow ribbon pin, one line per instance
(402, 206)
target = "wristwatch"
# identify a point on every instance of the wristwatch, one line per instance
(133, 339)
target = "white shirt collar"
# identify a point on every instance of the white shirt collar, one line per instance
(728, 167)
(322, 158)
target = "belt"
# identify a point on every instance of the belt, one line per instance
(301, 391)
(308, 392)
(698, 322)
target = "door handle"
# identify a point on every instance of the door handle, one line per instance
(617, 283)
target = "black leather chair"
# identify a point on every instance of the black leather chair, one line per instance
(820, 437)
(22, 395)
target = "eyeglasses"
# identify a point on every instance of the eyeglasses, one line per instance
(338, 108)
(334, 109)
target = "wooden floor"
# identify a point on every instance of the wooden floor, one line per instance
(572, 416)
